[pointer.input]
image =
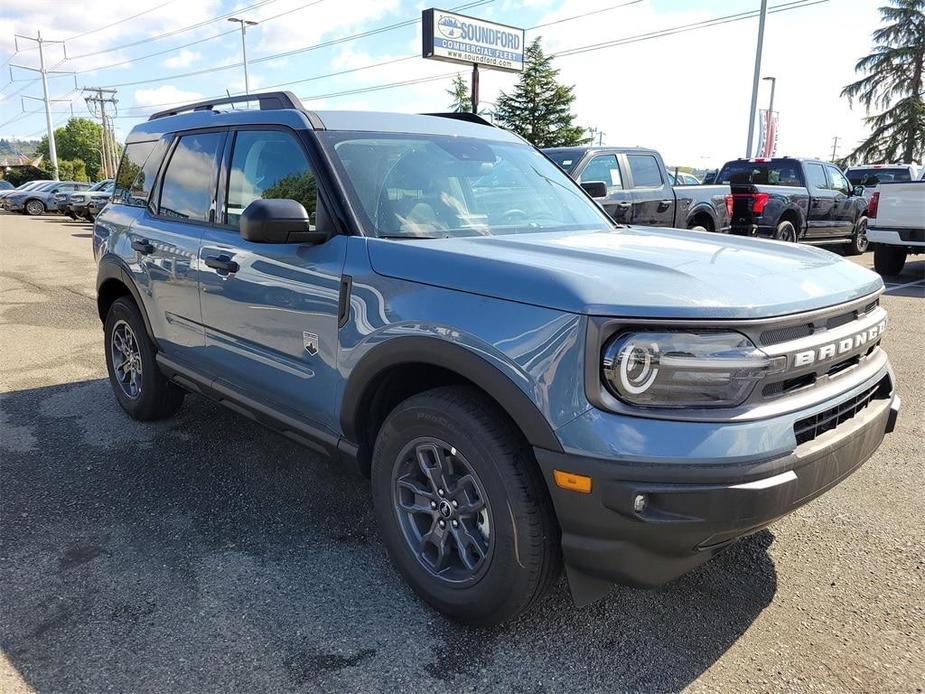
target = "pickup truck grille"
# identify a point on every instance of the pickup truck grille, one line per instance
(810, 428)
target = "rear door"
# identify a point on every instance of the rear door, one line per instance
(843, 203)
(819, 218)
(653, 196)
(166, 238)
(271, 313)
(605, 168)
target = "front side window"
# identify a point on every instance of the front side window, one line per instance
(268, 164)
(603, 168)
(437, 186)
(838, 180)
(815, 177)
(189, 182)
(645, 170)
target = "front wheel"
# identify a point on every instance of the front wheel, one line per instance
(889, 260)
(859, 241)
(34, 208)
(786, 232)
(462, 507)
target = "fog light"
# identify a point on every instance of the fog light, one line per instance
(639, 503)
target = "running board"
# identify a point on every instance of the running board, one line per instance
(824, 242)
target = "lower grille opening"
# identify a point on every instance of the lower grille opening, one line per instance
(810, 428)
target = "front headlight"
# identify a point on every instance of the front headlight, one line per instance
(684, 369)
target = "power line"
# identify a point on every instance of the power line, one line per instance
(586, 14)
(117, 22)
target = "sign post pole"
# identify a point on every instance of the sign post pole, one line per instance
(475, 88)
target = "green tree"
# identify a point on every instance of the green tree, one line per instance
(69, 169)
(459, 91)
(893, 86)
(540, 109)
(80, 138)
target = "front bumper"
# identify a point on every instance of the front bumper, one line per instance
(691, 511)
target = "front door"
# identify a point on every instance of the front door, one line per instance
(821, 201)
(270, 314)
(653, 196)
(843, 203)
(606, 169)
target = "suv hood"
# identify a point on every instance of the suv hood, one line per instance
(638, 272)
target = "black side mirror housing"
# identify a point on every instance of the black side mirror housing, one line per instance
(596, 189)
(279, 221)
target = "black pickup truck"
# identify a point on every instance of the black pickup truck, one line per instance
(637, 190)
(796, 200)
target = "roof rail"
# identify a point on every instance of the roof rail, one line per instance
(269, 101)
(462, 115)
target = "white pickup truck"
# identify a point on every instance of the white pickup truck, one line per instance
(896, 226)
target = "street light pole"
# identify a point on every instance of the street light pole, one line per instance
(773, 81)
(244, 24)
(754, 104)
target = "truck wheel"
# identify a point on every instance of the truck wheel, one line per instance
(34, 208)
(138, 383)
(786, 232)
(859, 241)
(462, 507)
(889, 260)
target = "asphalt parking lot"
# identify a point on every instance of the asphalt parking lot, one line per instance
(206, 554)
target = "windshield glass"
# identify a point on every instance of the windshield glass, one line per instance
(567, 159)
(101, 185)
(436, 186)
(778, 172)
(871, 177)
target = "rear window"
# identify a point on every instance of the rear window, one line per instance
(871, 177)
(136, 174)
(768, 173)
(566, 159)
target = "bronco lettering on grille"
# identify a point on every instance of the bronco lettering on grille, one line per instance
(839, 347)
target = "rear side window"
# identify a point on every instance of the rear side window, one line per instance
(133, 182)
(268, 164)
(603, 168)
(815, 177)
(645, 169)
(871, 177)
(189, 181)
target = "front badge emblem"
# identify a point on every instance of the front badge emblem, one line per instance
(310, 342)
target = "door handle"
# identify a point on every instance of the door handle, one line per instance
(624, 205)
(665, 204)
(222, 264)
(143, 246)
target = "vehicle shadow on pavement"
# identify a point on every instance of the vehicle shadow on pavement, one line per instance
(206, 554)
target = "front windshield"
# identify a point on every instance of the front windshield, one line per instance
(437, 186)
(871, 177)
(101, 185)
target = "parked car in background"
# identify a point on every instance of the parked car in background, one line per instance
(710, 177)
(796, 200)
(30, 185)
(897, 224)
(634, 187)
(682, 178)
(869, 175)
(5, 185)
(41, 199)
(76, 203)
(526, 382)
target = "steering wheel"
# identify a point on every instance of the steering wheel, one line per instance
(514, 215)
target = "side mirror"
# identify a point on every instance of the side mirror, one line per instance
(596, 189)
(858, 191)
(278, 221)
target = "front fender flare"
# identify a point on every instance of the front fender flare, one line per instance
(112, 267)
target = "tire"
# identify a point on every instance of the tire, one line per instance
(859, 242)
(34, 208)
(516, 520)
(148, 396)
(889, 260)
(697, 227)
(785, 231)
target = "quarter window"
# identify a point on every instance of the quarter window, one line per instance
(645, 169)
(268, 164)
(188, 186)
(134, 180)
(603, 168)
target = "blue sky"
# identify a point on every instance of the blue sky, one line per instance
(686, 94)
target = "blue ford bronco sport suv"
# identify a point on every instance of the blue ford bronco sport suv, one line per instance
(527, 383)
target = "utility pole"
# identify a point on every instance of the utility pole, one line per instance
(52, 150)
(244, 24)
(97, 102)
(475, 88)
(834, 147)
(754, 104)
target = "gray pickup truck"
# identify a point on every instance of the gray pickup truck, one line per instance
(528, 384)
(637, 188)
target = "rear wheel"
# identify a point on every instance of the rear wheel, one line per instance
(889, 260)
(859, 240)
(462, 507)
(786, 232)
(35, 207)
(137, 382)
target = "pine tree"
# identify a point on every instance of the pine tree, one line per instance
(459, 90)
(540, 109)
(894, 83)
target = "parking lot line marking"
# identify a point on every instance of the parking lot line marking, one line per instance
(890, 287)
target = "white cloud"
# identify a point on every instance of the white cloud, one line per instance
(184, 58)
(167, 94)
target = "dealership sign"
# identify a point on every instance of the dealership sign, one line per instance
(456, 38)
